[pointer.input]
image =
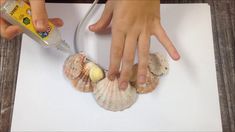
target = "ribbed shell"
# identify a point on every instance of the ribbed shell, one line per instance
(83, 82)
(110, 97)
(74, 65)
(158, 65)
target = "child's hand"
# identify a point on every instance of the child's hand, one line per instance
(40, 20)
(133, 22)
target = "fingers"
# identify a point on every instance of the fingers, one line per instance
(11, 32)
(2, 1)
(40, 20)
(118, 40)
(128, 60)
(57, 22)
(39, 15)
(143, 53)
(8, 31)
(166, 42)
(105, 19)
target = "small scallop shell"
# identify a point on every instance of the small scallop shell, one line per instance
(109, 96)
(158, 65)
(83, 82)
(151, 81)
(74, 65)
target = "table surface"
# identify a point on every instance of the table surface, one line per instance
(223, 21)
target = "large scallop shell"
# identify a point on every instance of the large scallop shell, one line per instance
(151, 81)
(74, 65)
(83, 82)
(109, 96)
(158, 65)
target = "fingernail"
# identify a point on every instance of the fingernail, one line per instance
(18, 32)
(91, 27)
(123, 85)
(142, 85)
(176, 55)
(41, 24)
(111, 77)
(142, 79)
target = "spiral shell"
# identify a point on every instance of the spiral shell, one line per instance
(74, 65)
(158, 65)
(109, 96)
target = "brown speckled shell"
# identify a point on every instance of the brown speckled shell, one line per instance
(83, 83)
(158, 65)
(151, 81)
(74, 65)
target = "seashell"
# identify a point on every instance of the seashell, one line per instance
(83, 82)
(158, 65)
(74, 65)
(96, 73)
(109, 96)
(151, 81)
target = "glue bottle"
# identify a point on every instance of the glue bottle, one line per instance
(17, 12)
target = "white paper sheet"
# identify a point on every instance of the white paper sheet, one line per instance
(186, 99)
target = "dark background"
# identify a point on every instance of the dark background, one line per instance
(223, 21)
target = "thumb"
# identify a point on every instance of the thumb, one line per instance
(105, 19)
(39, 15)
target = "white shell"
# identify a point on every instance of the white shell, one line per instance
(158, 65)
(109, 96)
